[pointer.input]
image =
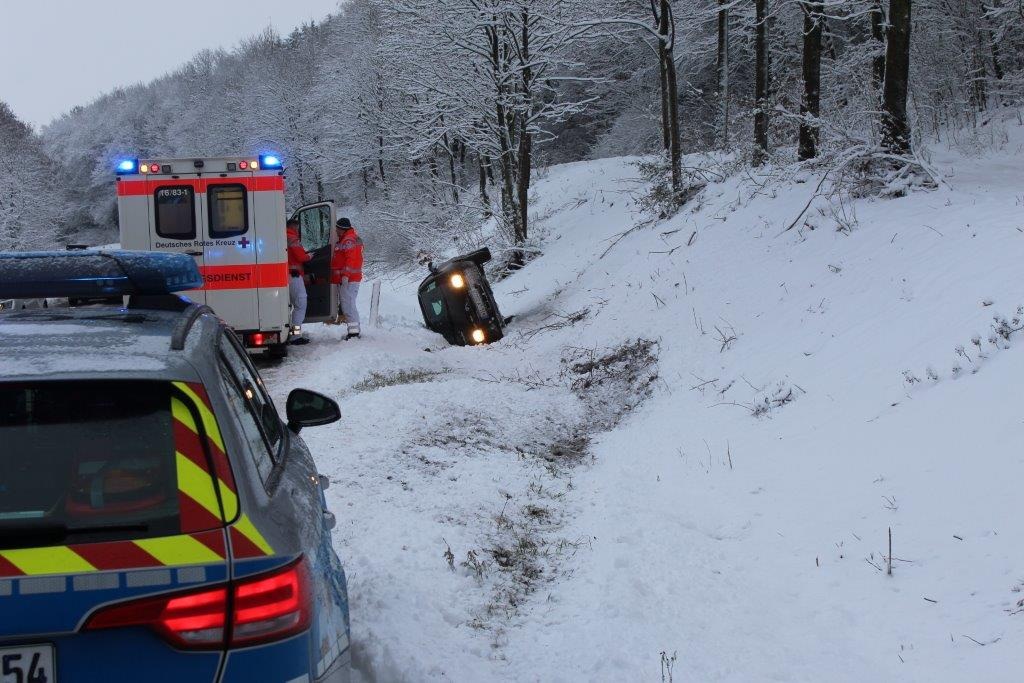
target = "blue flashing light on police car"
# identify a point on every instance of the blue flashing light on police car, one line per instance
(39, 274)
(127, 166)
(270, 161)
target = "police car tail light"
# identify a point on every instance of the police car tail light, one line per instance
(191, 621)
(272, 606)
(264, 608)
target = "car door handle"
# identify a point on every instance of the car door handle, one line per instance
(194, 253)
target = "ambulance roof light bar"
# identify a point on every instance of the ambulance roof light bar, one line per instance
(127, 166)
(31, 275)
(270, 162)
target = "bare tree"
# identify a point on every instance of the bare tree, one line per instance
(761, 83)
(810, 105)
(895, 128)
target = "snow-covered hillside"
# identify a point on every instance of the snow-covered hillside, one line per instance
(684, 460)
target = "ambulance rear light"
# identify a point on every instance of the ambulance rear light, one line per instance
(81, 274)
(262, 609)
(243, 165)
(261, 339)
(126, 166)
(270, 161)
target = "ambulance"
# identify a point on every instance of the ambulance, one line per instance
(228, 213)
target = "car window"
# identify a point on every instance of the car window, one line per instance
(315, 227)
(252, 404)
(433, 300)
(86, 461)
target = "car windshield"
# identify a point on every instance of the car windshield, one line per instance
(86, 461)
(433, 303)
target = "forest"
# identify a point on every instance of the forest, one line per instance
(425, 118)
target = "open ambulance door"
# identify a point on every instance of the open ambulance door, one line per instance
(316, 231)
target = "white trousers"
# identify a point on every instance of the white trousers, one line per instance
(347, 295)
(297, 296)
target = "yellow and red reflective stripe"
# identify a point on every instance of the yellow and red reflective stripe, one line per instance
(246, 539)
(166, 551)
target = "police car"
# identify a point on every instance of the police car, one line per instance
(158, 520)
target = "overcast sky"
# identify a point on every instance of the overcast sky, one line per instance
(60, 53)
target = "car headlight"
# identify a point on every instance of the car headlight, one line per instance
(478, 336)
(457, 281)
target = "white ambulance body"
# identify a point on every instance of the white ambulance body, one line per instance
(229, 214)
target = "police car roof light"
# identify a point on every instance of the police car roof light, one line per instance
(30, 275)
(127, 166)
(270, 161)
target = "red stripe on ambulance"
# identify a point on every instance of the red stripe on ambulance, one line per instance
(245, 277)
(130, 188)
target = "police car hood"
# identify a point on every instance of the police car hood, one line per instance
(91, 343)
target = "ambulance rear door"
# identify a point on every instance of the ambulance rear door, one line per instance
(176, 220)
(227, 218)
(316, 230)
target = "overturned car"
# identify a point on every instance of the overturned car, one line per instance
(457, 301)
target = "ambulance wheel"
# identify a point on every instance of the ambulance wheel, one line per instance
(278, 351)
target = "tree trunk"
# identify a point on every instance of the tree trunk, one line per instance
(666, 131)
(451, 164)
(895, 129)
(810, 106)
(878, 34)
(997, 66)
(670, 92)
(503, 134)
(723, 69)
(525, 141)
(484, 198)
(761, 84)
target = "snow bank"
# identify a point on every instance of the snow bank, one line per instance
(815, 389)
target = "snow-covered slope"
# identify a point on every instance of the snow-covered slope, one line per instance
(814, 389)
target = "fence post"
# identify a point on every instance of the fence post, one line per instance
(375, 305)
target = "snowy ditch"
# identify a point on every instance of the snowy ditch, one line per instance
(459, 465)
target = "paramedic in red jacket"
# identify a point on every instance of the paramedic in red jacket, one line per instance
(347, 272)
(297, 258)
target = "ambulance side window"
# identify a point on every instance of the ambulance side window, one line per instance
(175, 212)
(229, 211)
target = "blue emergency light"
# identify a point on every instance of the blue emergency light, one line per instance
(81, 274)
(270, 161)
(127, 166)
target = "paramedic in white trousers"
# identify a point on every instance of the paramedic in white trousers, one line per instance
(347, 272)
(297, 258)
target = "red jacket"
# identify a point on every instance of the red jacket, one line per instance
(296, 253)
(347, 259)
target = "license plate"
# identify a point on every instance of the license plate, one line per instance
(27, 664)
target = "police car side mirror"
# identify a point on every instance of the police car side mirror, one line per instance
(307, 408)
